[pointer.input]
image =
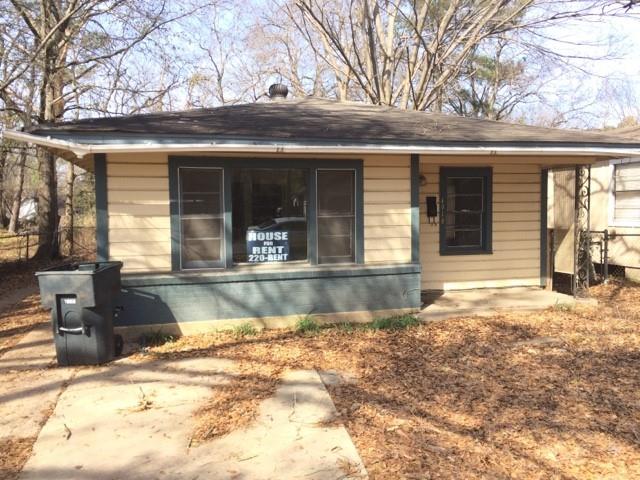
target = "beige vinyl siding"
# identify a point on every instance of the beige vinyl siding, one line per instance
(138, 207)
(515, 260)
(563, 182)
(387, 209)
(139, 217)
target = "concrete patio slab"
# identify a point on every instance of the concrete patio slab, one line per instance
(134, 420)
(441, 305)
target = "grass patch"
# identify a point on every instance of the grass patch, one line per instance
(394, 323)
(563, 307)
(346, 327)
(246, 329)
(307, 325)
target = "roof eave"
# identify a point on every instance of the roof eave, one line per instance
(81, 150)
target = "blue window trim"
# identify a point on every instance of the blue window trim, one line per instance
(228, 164)
(487, 222)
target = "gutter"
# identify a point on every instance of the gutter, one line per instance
(78, 149)
(81, 149)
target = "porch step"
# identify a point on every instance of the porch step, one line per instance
(440, 305)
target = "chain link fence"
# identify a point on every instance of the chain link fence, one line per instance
(600, 254)
(77, 242)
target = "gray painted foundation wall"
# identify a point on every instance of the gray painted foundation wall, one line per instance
(178, 298)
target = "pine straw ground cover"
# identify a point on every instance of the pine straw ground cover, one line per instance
(554, 394)
(14, 454)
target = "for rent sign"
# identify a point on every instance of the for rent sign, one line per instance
(267, 246)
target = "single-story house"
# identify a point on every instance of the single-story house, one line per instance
(615, 207)
(266, 212)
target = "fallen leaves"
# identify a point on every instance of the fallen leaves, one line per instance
(551, 394)
(15, 453)
(22, 318)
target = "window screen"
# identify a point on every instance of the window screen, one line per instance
(201, 217)
(465, 226)
(336, 216)
(269, 215)
(464, 212)
(627, 194)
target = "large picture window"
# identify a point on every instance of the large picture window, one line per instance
(201, 217)
(465, 226)
(269, 215)
(336, 216)
(232, 211)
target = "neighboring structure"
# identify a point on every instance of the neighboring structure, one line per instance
(270, 211)
(615, 207)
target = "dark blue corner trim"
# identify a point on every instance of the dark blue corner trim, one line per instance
(543, 226)
(415, 208)
(102, 213)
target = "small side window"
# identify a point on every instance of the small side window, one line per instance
(627, 194)
(465, 225)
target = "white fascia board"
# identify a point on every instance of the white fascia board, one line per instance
(81, 149)
(78, 149)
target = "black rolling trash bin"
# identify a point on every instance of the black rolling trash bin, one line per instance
(81, 298)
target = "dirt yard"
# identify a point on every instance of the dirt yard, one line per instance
(554, 394)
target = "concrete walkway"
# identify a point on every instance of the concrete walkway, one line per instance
(295, 437)
(489, 301)
(134, 420)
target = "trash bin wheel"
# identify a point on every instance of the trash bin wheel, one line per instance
(118, 344)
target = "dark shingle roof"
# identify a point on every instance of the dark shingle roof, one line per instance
(627, 132)
(321, 120)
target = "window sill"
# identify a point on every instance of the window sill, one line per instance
(625, 225)
(248, 273)
(451, 253)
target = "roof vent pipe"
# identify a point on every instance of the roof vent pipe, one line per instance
(278, 91)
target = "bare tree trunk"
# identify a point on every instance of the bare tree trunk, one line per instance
(47, 215)
(14, 222)
(67, 233)
(3, 164)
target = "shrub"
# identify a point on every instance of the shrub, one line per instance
(394, 323)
